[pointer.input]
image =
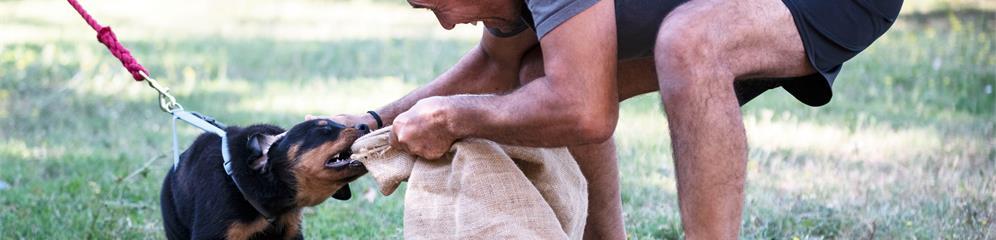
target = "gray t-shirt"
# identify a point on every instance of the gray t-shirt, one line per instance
(637, 21)
(548, 14)
(545, 15)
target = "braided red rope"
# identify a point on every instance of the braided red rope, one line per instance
(107, 37)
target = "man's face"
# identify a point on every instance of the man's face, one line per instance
(500, 14)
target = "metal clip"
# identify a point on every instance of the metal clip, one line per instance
(166, 101)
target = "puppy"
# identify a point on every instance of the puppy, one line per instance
(280, 172)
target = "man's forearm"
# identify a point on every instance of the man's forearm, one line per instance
(475, 73)
(575, 103)
(534, 115)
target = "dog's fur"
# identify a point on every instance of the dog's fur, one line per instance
(283, 171)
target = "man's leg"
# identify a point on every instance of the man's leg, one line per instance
(599, 165)
(702, 48)
(599, 162)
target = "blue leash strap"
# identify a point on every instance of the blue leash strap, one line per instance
(176, 146)
(168, 104)
(207, 124)
(210, 125)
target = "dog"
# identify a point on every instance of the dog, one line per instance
(279, 173)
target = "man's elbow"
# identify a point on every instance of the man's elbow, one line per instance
(590, 115)
(594, 126)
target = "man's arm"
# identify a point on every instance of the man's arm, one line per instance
(490, 67)
(575, 103)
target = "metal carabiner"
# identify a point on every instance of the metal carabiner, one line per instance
(166, 100)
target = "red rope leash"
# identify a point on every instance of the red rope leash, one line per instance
(107, 37)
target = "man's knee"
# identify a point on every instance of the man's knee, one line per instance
(689, 50)
(687, 36)
(745, 39)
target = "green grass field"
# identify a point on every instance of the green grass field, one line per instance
(905, 150)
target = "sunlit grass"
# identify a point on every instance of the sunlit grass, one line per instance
(26, 21)
(904, 150)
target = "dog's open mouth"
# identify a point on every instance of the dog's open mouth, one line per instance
(342, 161)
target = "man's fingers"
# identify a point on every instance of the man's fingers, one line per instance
(434, 155)
(398, 140)
(408, 134)
(424, 153)
(393, 140)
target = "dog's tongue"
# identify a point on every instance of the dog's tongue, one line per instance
(338, 165)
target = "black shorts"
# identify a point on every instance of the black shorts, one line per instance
(833, 32)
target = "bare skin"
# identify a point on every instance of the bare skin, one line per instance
(564, 92)
(697, 63)
(544, 112)
(492, 67)
(598, 162)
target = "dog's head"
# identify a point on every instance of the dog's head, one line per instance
(300, 167)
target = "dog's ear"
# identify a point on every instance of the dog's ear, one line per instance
(259, 147)
(343, 193)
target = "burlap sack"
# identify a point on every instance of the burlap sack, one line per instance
(482, 190)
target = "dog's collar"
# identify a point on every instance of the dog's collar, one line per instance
(211, 125)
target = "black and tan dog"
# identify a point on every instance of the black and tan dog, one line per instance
(280, 172)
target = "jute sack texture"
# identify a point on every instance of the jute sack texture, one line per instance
(481, 190)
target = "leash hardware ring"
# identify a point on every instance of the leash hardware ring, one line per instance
(166, 100)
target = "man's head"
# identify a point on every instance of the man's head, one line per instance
(501, 14)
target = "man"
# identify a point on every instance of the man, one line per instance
(550, 73)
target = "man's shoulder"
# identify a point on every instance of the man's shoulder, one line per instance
(548, 14)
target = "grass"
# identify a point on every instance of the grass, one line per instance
(904, 150)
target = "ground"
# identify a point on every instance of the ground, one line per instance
(904, 150)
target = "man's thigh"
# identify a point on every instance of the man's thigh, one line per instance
(771, 46)
(750, 38)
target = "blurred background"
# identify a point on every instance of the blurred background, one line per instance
(904, 150)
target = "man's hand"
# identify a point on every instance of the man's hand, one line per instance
(423, 129)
